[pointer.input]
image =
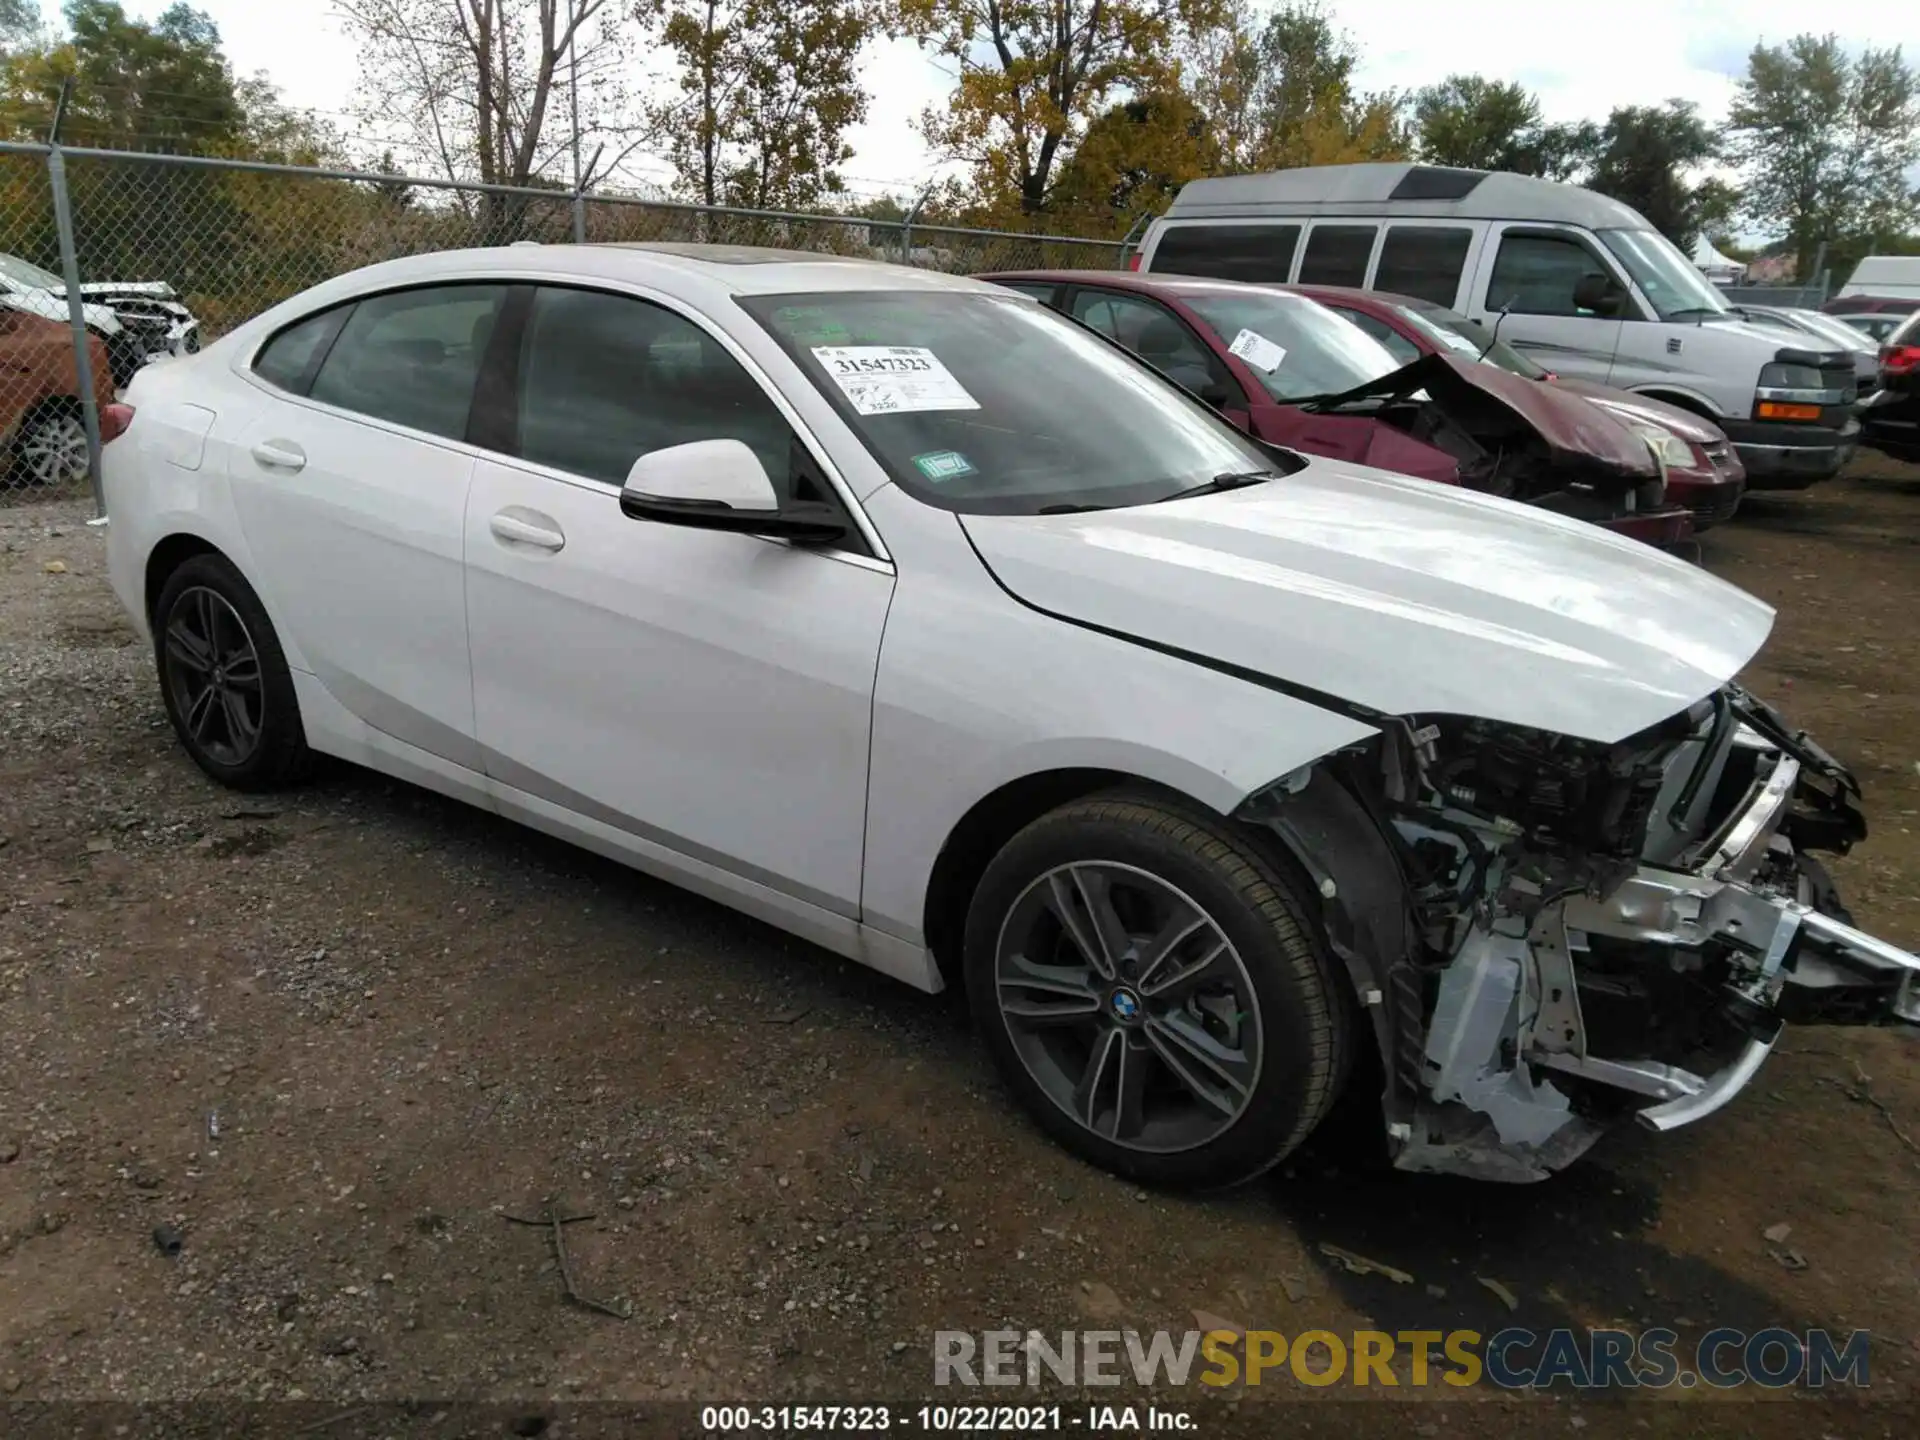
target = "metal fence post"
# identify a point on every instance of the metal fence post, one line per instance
(906, 228)
(77, 320)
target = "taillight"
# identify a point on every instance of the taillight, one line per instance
(1900, 359)
(1133, 261)
(114, 420)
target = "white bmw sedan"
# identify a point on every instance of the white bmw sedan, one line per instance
(907, 615)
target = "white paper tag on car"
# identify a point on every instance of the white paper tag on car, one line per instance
(893, 379)
(1258, 351)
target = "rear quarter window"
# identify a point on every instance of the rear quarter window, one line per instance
(288, 360)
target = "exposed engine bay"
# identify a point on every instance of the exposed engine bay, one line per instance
(1592, 931)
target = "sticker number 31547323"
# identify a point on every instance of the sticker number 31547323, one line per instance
(892, 379)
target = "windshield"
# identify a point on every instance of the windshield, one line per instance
(1297, 347)
(1471, 339)
(1665, 276)
(993, 404)
(13, 268)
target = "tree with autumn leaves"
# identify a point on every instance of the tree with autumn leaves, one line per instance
(1089, 112)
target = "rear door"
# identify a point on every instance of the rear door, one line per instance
(1532, 272)
(351, 489)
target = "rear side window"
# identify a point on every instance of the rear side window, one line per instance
(1398, 346)
(288, 359)
(1228, 252)
(412, 357)
(1425, 261)
(1337, 254)
(1045, 291)
(1537, 274)
(1158, 337)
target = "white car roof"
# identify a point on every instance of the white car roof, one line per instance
(704, 275)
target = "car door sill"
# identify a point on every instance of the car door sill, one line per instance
(333, 730)
(847, 937)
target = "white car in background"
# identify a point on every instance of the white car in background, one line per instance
(136, 320)
(913, 618)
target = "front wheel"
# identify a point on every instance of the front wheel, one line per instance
(1153, 988)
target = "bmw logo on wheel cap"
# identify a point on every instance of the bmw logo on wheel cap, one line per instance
(1125, 1005)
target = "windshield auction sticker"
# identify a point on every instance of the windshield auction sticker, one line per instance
(1257, 350)
(893, 379)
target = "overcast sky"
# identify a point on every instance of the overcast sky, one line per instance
(1580, 60)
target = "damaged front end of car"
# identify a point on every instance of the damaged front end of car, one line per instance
(1522, 441)
(1573, 933)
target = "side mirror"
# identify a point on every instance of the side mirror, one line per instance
(1601, 294)
(720, 485)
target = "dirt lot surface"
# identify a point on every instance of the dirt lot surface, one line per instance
(328, 1039)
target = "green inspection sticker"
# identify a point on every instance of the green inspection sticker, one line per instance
(944, 465)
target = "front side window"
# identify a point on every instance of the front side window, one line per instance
(411, 357)
(1228, 252)
(1157, 336)
(1539, 274)
(984, 404)
(1424, 261)
(1667, 278)
(605, 379)
(1337, 255)
(1298, 348)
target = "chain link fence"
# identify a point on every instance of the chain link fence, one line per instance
(172, 251)
(1790, 297)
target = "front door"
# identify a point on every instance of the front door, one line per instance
(708, 692)
(1535, 274)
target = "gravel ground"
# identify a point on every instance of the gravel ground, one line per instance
(330, 1039)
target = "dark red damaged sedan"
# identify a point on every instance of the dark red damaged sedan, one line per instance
(1293, 373)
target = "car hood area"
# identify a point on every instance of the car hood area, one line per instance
(1683, 423)
(103, 289)
(1393, 594)
(1493, 405)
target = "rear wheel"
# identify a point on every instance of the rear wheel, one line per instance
(225, 681)
(1154, 990)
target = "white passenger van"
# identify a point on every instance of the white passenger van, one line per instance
(1582, 283)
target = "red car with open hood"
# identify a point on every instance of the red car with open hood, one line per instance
(1293, 373)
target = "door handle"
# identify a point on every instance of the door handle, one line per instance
(280, 455)
(527, 527)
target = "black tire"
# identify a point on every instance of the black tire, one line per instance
(1300, 1021)
(278, 755)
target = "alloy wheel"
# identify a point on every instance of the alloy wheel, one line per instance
(1129, 1006)
(54, 449)
(213, 670)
